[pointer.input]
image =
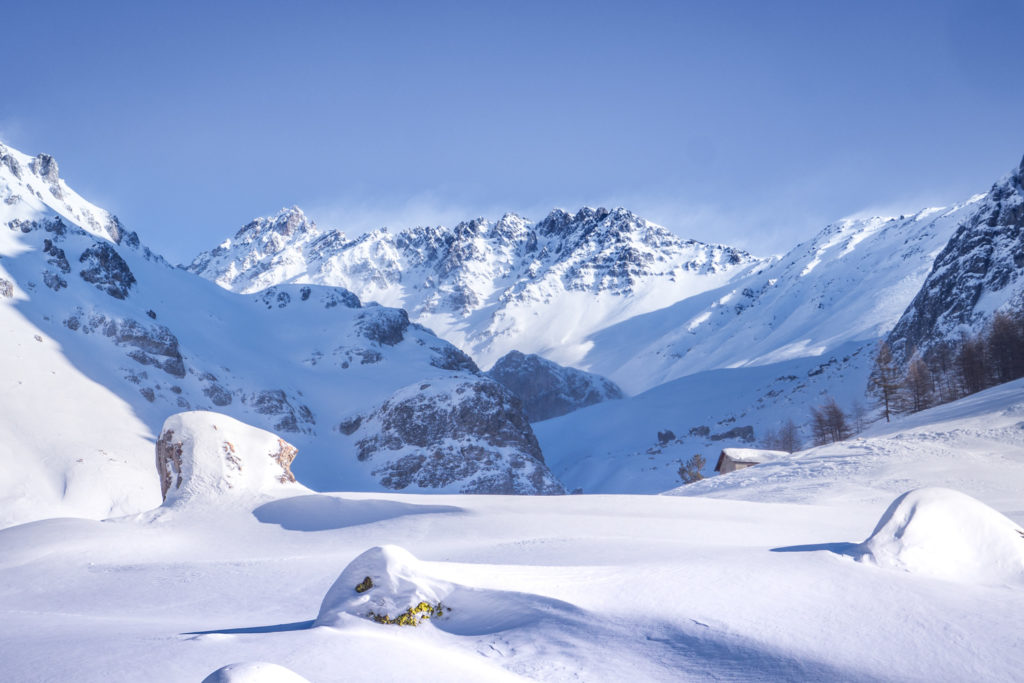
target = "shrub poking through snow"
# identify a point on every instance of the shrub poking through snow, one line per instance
(414, 616)
(386, 585)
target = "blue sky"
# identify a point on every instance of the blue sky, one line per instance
(749, 123)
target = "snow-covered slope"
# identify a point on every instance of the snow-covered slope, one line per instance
(489, 287)
(102, 340)
(850, 283)
(636, 444)
(974, 445)
(979, 271)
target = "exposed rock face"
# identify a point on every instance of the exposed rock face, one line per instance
(464, 434)
(206, 456)
(105, 268)
(151, 344)
(6, 288)
(978, 271)
(275, 402)
(548, 389)
(383, 325)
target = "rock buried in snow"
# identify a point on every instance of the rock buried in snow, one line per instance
(946, 534)
(205, 455)
(385, 584)
(254, 672)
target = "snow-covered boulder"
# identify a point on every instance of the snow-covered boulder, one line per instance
(548, 389)
(205, 455)
(385, 584)
(946, 534)
(462, 434)
(254, 672)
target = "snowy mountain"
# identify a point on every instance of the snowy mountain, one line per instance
(102, 340)
(980, 270)
(850, 283)
(489, 287)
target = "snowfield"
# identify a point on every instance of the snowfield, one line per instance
(812, 577)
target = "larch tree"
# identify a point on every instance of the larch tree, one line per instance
(885, 381)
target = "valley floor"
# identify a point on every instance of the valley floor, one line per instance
(577, 588)
(586, 587)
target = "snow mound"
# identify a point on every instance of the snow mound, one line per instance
(254, 672)
(385, 584)
(948, 535)
(206, 455)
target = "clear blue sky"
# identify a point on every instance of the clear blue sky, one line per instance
(750, 123)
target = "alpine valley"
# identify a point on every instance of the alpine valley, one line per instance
(174, 438)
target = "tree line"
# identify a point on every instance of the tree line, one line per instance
(950, 369)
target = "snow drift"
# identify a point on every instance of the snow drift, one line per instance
(946, 534)
(254, 672)
(206, 455)
(385, 584)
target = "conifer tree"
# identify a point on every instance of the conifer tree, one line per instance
(885, 382)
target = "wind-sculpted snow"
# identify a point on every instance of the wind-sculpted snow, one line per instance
(254, 672)
(465, 434)
(547, 389)
(488, 287)
(947, 535)
(978, 272)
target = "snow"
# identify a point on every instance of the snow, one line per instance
(947, 535)
(254, 672)
(221, 456)
(754, 575)
(591, 587)
(397, 583)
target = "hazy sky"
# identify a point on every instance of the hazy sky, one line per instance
(748, 123)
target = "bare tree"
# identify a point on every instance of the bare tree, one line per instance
(690, 471)
(789, 437)
(859, 416)
(828, 423)
(970, 364)
(941, 363)
(918, 386)
(1005, 348)
(885, 381)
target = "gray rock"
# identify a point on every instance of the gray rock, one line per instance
(467, 433)
(548, 389)
(105, 268)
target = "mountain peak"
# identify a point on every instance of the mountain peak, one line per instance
(287, 222)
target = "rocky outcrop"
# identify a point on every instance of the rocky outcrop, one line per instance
(383, 325)
(275, 403)
(979, 270)
(208, 456)
(465, 434)
(150, 344)
(105, 269)
(548, 389)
